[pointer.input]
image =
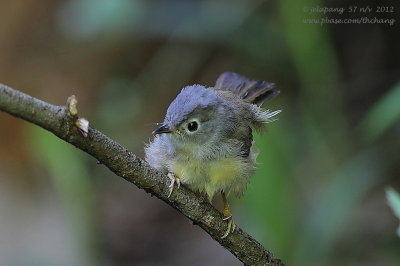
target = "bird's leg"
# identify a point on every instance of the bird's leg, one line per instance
(174, 179)
(228, 216)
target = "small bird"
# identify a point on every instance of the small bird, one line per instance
(206, 139)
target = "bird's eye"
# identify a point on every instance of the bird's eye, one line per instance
(192, 126)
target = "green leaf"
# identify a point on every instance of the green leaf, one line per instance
(393, 198)
(384, 114)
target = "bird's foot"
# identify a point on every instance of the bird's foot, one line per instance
(228, 216)
(174, 179)
(231, 226)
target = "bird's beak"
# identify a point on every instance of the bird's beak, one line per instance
(162, 129)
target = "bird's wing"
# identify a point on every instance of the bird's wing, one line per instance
(252, 91)
(245, 136)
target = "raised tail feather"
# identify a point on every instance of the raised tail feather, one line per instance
(253, 91)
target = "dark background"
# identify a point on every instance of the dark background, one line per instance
(318, 197)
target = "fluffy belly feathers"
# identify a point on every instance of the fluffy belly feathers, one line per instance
(212, 176)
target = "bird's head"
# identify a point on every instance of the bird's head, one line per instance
(196, 117)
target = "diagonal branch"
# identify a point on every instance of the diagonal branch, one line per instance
(63, 122)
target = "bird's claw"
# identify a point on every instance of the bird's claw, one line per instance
(231, 226)
(227, 216)
(174, 179)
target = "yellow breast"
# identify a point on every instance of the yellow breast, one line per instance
(224, 171)
(209, 176)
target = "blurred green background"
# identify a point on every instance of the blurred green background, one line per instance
(318, 197)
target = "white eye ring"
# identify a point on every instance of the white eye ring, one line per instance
(192, 126)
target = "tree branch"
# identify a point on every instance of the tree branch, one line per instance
(63, 122)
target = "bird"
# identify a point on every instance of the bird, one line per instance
(206, 139)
